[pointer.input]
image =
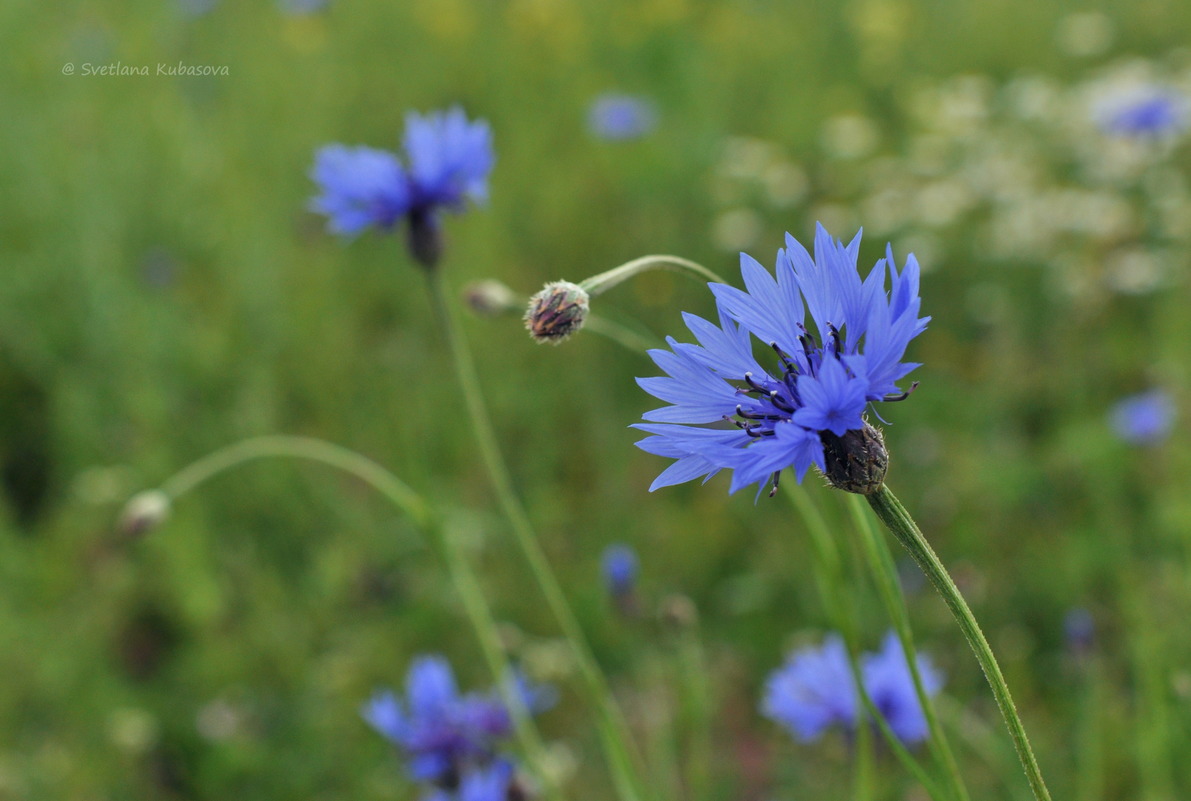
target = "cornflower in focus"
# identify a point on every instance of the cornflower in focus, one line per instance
(816, 690)
(448, 161)
(445, 736)
(618, 117)
(1143, 419)
(807, 409)
(1147, 111)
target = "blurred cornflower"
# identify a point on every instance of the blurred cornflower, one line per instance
(449, 158)
(1143, 419)
(1079, 630)
(813, 691)
(816, 690)
(618, 117)
(197, 8)
(491, 783)
(619, 563)
(302, 6)
(890, 686)
(809, 411)
(443, 734)
(1143, 111)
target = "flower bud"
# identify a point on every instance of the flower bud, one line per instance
(857, 461)
(144, 512)
(556, 312)
(490, 298)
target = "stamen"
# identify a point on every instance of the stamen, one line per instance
(776, 476)
(789, 366)
(748, 379)
(900, 396)
(835, 338)
(755, 416)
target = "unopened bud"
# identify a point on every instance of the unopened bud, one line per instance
(678, 612)
(556, 312)
(144, 512)
(857, 461)
(491, 298)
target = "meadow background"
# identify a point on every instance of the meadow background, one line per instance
(164, 292)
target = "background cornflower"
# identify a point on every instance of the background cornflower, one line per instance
(824, 378)
(1143, 111)
(815, 690)
(443, 734)
(620, 566)
(448, 161)
(617, 117)
(1143, 419)
(890, 685)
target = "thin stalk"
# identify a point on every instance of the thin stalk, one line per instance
(902, 526)
(412, 504)
(884, 572)
(830, 581)
(601, 283)
(624, 762)
(620, 334)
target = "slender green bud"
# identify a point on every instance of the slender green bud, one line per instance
(556, 312)
(857, 461)
(144, 512)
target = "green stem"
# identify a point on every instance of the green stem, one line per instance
(412, 504)
(614, 730)
(884, 571)
(902, 526)
(601, 283)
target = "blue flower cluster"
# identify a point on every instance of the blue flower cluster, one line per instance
(450, 740)
(825, 376)
(815, 690)
(448, 161)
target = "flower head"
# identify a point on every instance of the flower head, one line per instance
(618, 117)
(1143, 111)
(620, 567)
(823, 370)
(816, 690)
(442, 732)
(813, 691)
(448, 160)
(890, 685)
(1143, 419)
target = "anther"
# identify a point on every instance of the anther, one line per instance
(776, 476)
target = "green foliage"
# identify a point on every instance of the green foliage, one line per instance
(165, 293)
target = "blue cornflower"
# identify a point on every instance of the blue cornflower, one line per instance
(1144, 111)
(449, 158)
(493, 782)
(619, 117)
(1143, 419)
(813, 691)
(442, 732)
(816, 690)
(824, 375)
(619, 563)
(890, 686)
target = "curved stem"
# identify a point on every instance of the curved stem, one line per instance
(601, 283)
(316, 450)
(884, 572)
(901, 525)
(614, 730)
(412, 504)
